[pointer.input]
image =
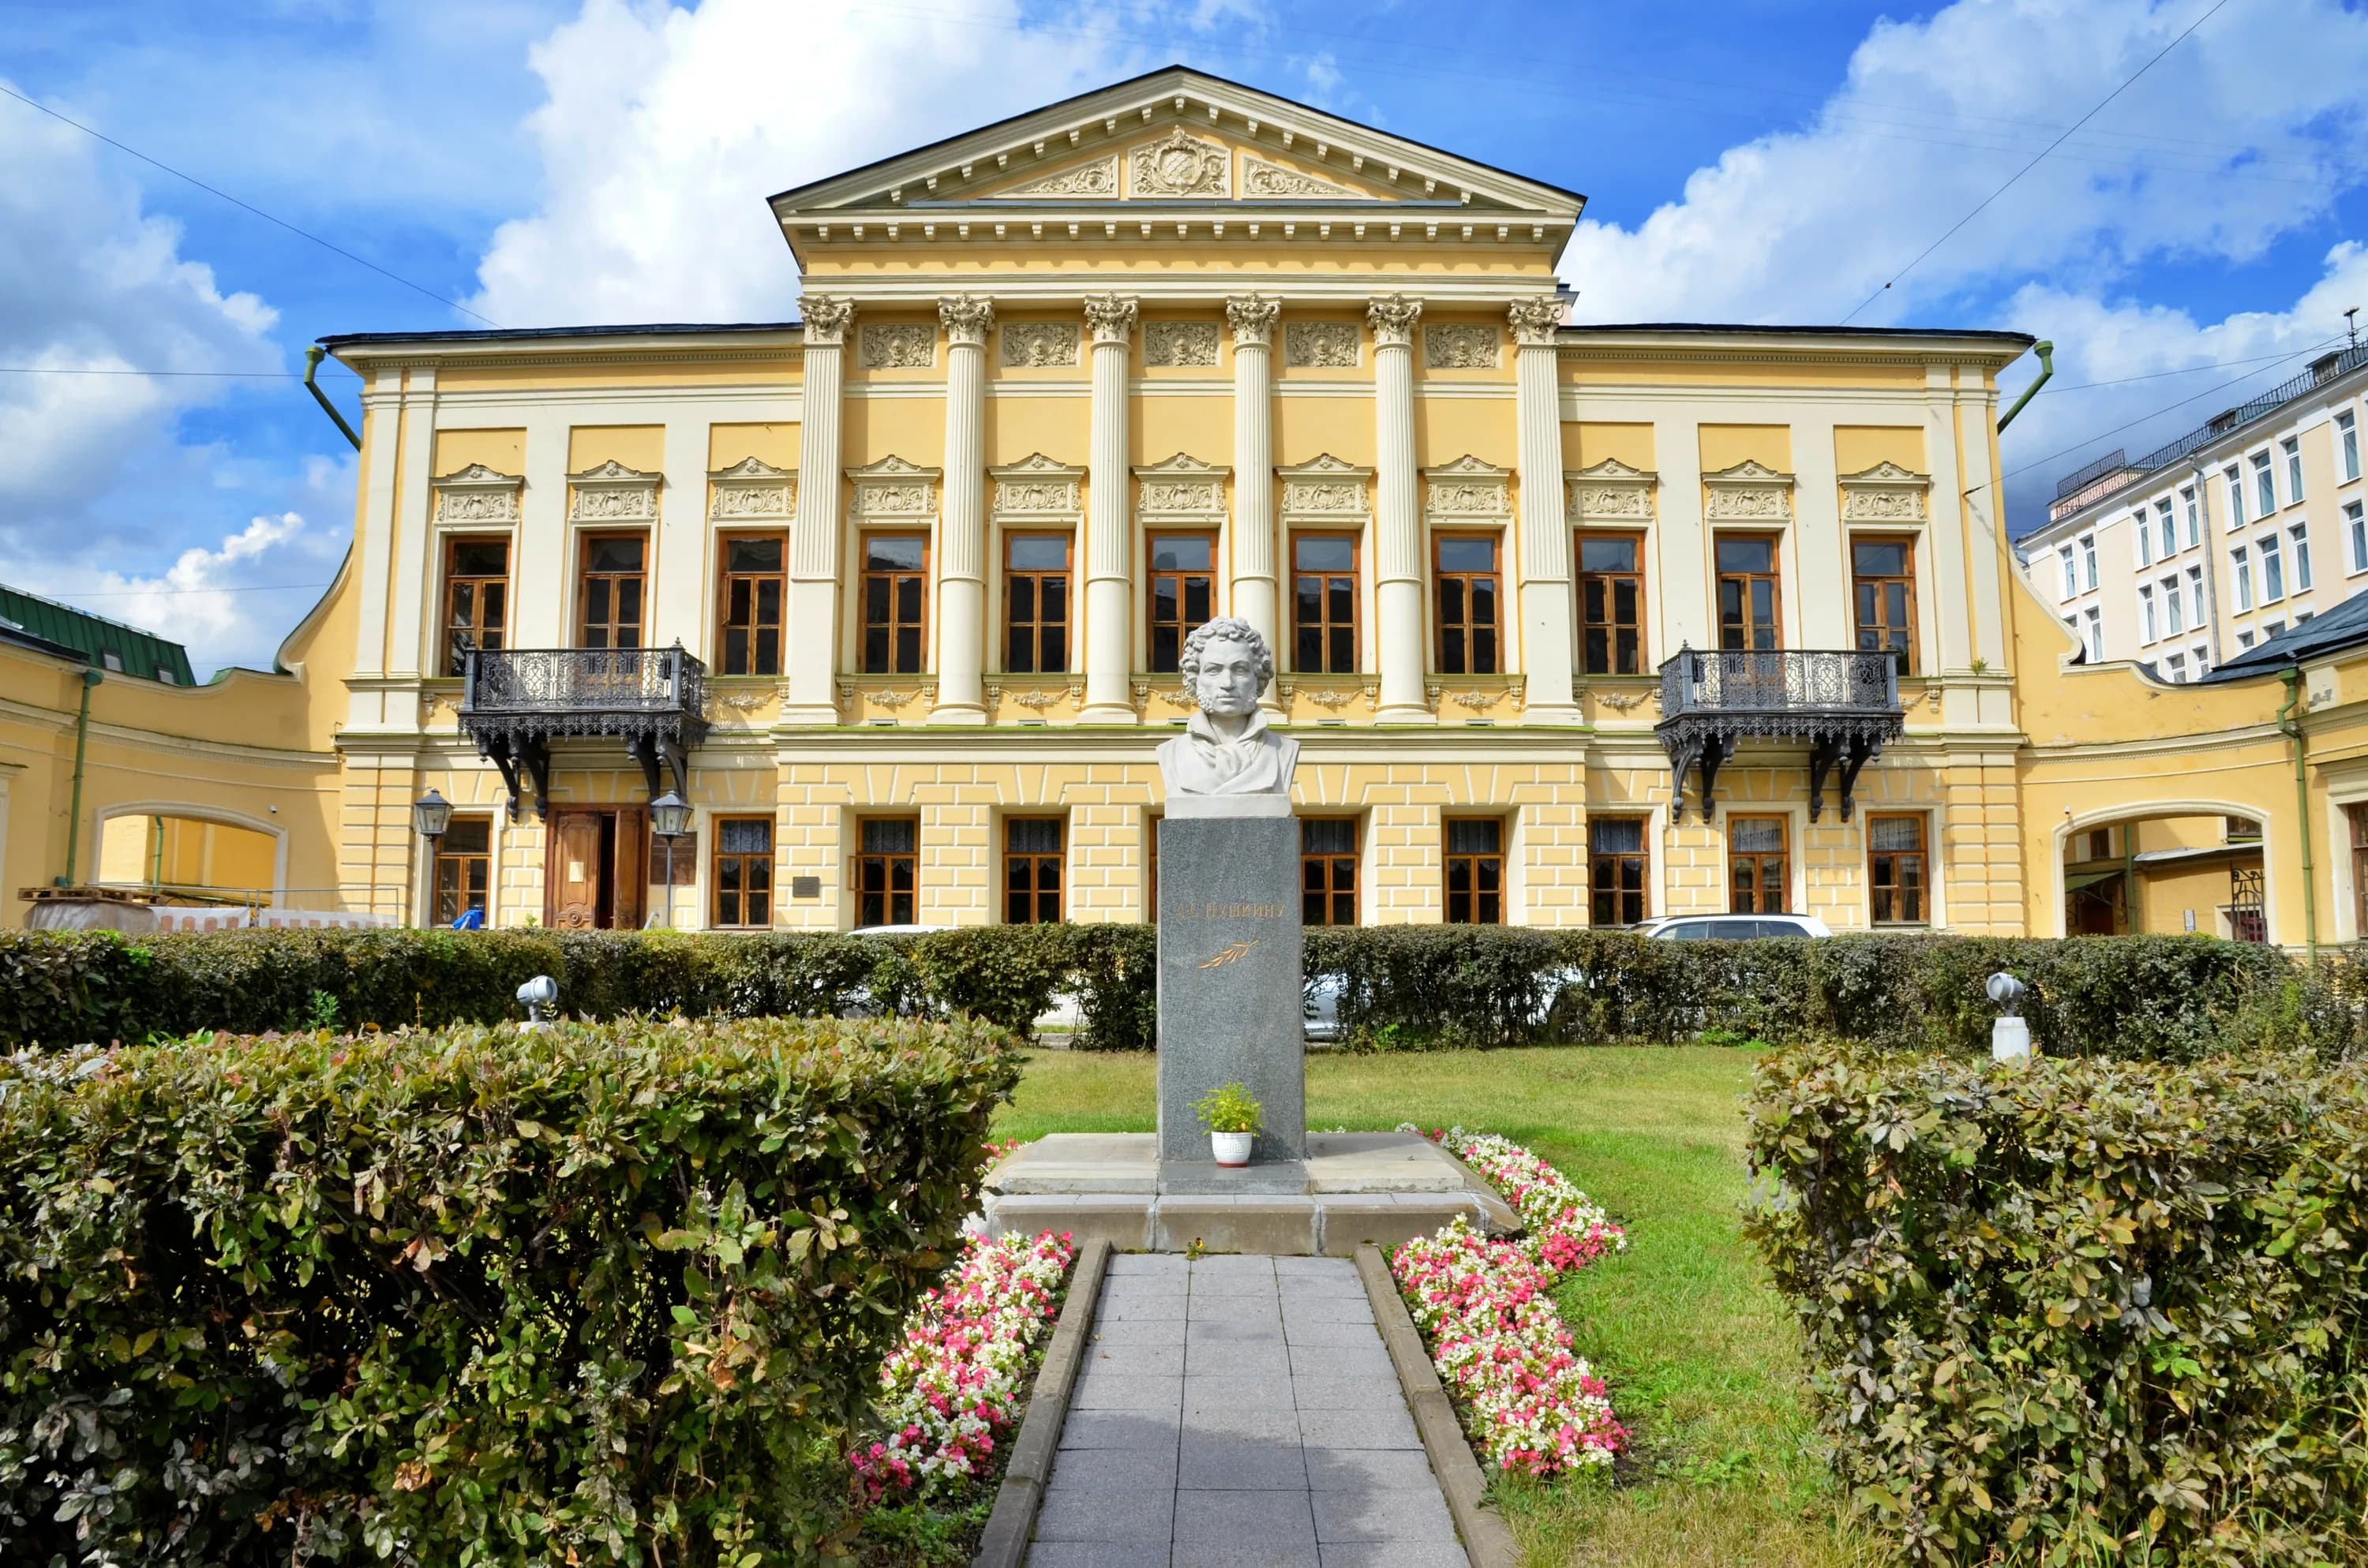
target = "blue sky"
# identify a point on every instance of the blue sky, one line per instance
(605, 160)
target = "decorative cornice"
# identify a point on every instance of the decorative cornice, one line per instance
(966, 318)
(1749, 492)
(1252, 317)
(1884, 493)
(753, 490)
(892, 490)
(1112, 317)
(1393, 320)
(1325, 489)
(1610, 490)
(1037, 489)
(477, 494)
(611, 493)
(1535, 320)
(825, 319)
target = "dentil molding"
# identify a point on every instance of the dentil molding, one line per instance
(1884, 493)
(753, 490)
(613, 493)
(1750, 491)
(477, 494)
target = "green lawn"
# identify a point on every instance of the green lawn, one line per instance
(1702, 1356)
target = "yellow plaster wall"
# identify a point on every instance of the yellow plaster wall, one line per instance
(1586, 443)
(504, 451)
(1448, 428)
(872, 428)
(1858, 447)
(1584, 367)
(1020, 427)
(1159, 427)
(768, 443)
(603, 372)
(638, 447)
(1306, 428)
(1723, 446)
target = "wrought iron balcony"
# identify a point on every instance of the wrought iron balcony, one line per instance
(514, 702)
(1844, 703)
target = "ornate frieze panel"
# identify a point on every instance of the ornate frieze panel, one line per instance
(1182, 489)
(824, 318)
(1321, 344)
(753, 490)
(1884, 493)
(894, 491)
(1263, 180)
(899, 345)
(1099, 178)
(1037, 490)
(1609, 491)
(1180, 165)
(1459, 345)
(1040, 344)
(1253, 317)
(1535, 320)
(1467, 491)
(477, 494)
(1750, 491)
(1326, 490)
(1179, 343)
(613, 494)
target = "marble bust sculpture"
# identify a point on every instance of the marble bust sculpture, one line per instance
(1227, 762)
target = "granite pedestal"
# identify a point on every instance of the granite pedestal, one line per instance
(1231, 1007)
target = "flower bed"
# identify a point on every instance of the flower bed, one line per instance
(952, 1390)
(1485, 1309)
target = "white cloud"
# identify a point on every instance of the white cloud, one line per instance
(2247, 131)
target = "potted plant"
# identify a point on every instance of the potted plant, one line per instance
(1230, 1114)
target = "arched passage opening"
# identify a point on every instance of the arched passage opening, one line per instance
(172, 850)
(2164, 868)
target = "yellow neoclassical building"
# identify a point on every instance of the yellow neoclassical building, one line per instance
(1576, 624)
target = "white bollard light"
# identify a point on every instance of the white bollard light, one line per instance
(537, 993)
(2010, 1031)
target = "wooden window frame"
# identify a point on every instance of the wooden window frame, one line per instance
(1611, 628)
(860, 863)
(1326, 623)
(894, 624)
(718, 855)
(446, 856)
(1319, 875)
(1035, 859)
(1440, 577)
(453, 579)
(1877, 887)
(1908, 661)
(1601, 860)
(1775, 579)
(1068, 622)
(587, 541)
(1473, 861)
(2355, 816)
(1152, 579)
(748, 634)
(1757, 860)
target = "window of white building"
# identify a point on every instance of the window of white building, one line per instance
(2274, 569)
(2088, 558)
(2145, 615)
(2176, 666)
(2241, 574)
(2202, 655)
(2346, 446)
(2265, 485)
(2292, 446)
(2071, 575)
(2355, 533)
(2096, 636)
(2174, 620)
(2300, 535)
(2194, 516)
(2140, 539)
(2167, 526)
(2236, 495)
(2195, 595)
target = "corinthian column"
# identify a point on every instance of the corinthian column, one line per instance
(1110, 577)
(1255, 595)
(961, 531)
(1548, 622)
(812, 621)
(1397, 523)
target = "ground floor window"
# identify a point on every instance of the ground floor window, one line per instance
(464, 868)
(744, 871)
(1327, 871)
(887, 870)
(1475, 871)
(1757, 873)
(1032, 870)
(2358, 817)
(1898, 870)
(1617, 865)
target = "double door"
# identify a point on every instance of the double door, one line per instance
(595, 867)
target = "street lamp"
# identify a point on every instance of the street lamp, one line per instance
(669, 819)
(430, 815)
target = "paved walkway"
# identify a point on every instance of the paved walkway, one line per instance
(1240, 1412)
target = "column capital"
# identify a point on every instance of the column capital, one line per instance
(1535, 320)
(1111, 318)
(825, 317)
(1253, 317)
(966, 318)
(1393, 321)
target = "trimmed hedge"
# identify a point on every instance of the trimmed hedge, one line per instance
(2172, 997)
(598, 1294)
(2081, 1312)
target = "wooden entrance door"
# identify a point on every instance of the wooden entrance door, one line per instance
(596, 868)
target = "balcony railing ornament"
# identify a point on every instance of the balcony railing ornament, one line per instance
(1844, 703)
(515, 701)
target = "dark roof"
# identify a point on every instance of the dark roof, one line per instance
(1148, 75)
(72, 633)
(499, 334)
(2345, 626)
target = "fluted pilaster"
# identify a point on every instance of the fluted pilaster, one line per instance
(1398, 567)
(1109, 580)
(1549, 620)
(1257, 595)
(812, 623)
(961, 529)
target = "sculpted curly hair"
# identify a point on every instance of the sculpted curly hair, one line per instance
(1225, 628)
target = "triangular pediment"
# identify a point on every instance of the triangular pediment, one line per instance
(1886, 473)
(1176, 139)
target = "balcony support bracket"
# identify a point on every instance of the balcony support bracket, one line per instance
(1848, 753)
(515, 702)
(1844, 704)
(526, 754)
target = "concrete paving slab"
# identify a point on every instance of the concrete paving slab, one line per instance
(1406, 1514)
(1390, 1554)
(1122, 1428)
(1284, 1518)
(1100, 1388)
(1210, 1462)
(1094, 1554)
(1145, 1514)
(1114, 1468)
(1243, 1554)
(1365, 1428)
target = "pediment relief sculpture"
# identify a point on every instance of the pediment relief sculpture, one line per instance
(1038, 489)
(753, 488)
(1096, 178)
(1884, 493)
(613, 493)
(1749, 492)
(1180, 165)
(1182, 486)
(894, 489)
(1325, 488)
(478, 494)
(1466, 488)
(1261, 178)
(1609, 489)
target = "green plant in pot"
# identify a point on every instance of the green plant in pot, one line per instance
(1231, 1114)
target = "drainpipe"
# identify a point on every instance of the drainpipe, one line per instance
(2290, 725)
(2046, 352)
(313, 356)
(90, 678)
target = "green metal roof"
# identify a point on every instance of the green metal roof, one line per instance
(93, 639)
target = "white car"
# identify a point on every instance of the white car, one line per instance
(1735, 928)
